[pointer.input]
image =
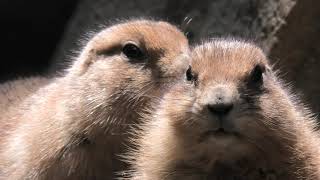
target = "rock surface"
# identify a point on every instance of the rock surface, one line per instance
(297, 53)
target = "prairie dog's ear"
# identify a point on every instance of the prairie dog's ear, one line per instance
(85, 59)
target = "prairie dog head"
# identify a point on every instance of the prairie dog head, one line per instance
(129, 62)
(236, 104)
(231, 115)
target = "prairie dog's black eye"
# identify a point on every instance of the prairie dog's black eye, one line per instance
(256, 75)
(190, 75)
(132, 51)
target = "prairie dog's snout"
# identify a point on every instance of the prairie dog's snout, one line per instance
(220, 99)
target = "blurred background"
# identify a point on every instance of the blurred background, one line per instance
(38, 37)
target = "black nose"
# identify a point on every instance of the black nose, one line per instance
(220, 109)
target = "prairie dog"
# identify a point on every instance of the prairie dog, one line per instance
(74, 127)
(232, 118)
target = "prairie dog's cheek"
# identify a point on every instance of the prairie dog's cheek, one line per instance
(197, 101)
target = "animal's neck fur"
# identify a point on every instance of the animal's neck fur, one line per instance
(290, 151)
(71, 135)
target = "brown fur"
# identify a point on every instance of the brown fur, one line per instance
(268, 134)
(74, 127)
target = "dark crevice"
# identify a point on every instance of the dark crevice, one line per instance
(29, 32)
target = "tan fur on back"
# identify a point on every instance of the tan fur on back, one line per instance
(75, 126)
(268, 133)
(14, 93)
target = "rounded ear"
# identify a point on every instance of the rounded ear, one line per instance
(85, 59)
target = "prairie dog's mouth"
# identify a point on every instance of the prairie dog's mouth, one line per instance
(217, 133)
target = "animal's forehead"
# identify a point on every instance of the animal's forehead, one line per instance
(227, 60)
(150, 34)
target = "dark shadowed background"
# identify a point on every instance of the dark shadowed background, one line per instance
(39, 36)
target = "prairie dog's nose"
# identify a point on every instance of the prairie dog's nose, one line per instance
(220, 109)
(220, 100)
